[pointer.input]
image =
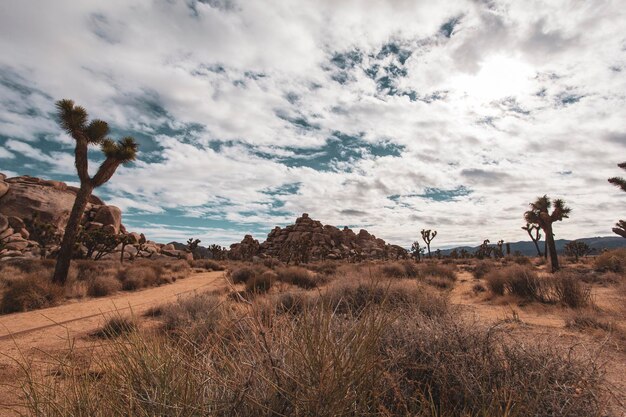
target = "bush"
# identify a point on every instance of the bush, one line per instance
(242, 275)
(102, 286)
(393, 270)
(30, 292)
(139, 276)
(115, 327)
(262, 283)
(568, 290)
(208, 264)
(521, 260)
(516, 280)
(299, 277)
(325, 268)
(611, 261)
(192, 318)
(482, 268)
(431, 269)
(354, 297)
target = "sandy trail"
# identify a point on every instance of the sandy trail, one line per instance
(35, 334)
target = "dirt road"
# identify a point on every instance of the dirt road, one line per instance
(35, 334)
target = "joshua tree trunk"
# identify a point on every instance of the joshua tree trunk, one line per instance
(537, 247)
(69, 237)
(428, 246)
(551, 248)
(545, 249)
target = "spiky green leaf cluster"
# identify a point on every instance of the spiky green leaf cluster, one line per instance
(122, 151)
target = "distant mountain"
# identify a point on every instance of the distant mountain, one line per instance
(528, 247)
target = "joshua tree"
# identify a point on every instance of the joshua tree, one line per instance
(540, 215)
(534, 232)
(428, 237)
(73, 119)
(98, 242)
(484, 250)
(577, 249)
(499, 252)
(620, 226)
(192, 246)
(416, 251)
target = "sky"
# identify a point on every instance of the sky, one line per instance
(393, 116)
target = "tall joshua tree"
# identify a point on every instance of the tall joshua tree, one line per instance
(540, 215)
(428, 237)
(620, 226)
(534, 232)
(73, 119)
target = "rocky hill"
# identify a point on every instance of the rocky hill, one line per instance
(308, 240)
(50, 202)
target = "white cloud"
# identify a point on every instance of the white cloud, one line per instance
(524, 98)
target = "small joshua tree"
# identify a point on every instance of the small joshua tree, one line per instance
(499, 252)
(577, 249)
(540, 215)
(192, 246)
(417, 251)
(484, 250)
(534, 232)
(73, 119)
(98, 242)
(428, 236)
(620, 226)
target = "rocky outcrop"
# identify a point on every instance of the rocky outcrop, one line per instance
(309, 240)
(50, 202)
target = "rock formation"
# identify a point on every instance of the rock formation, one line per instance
(23, 198)
(309, 240)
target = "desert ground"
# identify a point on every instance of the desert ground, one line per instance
(261, 321)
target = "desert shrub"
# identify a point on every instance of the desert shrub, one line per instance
(516, 280)
(87, 270)
(568, 289)
(289, 302)
(116, 326)
(29, 266)
(521, 260)
(261, 283)
(299, 277)
(611, 261)
(482, 268)
(496, 282)
(320, 363)
(272, 263)
(208, 264)
(177, 266)
(139, 276)
(30, 292)
(102, 286)
(192, 318)
(588, 319)
(478, 288)
(411, 269)
(431, 269)
(325, 268)
(393, 270)
(242, 275)
(354, 297)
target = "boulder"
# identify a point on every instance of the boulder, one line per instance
(28, 196)
(109, 215)
(4, 188)
(2, 176)
(6, 233)
(24, 233)
(94, 225)
(109, 228)
(16, 223)
(4, 223)
(16, 245)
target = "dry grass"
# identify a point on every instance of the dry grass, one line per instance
(300, 277)
(375, 348)
(564, 287)
(611, 261)
(103, 286)
(116, 326)
(207, 264)
(31, 291)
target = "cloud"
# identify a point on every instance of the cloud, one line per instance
(368, 113)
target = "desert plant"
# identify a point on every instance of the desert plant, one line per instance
(417, 251)
(242, 275)
(98, 242)
(73, 119)
(484, 250)
(261, 283)
(567, 289)
(45, 234)
(577, 249)
(482, 268)
(611, 261)
(299, 277)
(29, 292)
(116, 326)
(534, 232)
(102, 286)
(540, 215)
(428, 236)
(620, 226)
